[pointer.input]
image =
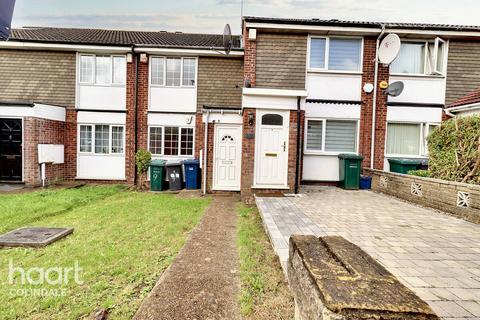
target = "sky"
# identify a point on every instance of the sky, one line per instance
(210, 16)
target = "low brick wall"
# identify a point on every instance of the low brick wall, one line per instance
(459, 199)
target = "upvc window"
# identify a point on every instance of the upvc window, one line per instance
(102, 139)
(408, 139)
(103, 69)
(420, 58)
(328, 135)
(173, 72)
(171, 141)
(335, 54)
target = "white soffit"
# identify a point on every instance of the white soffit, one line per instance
(42, 111)
(274, 92)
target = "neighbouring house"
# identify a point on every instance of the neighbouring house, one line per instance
(465, 106)
(271, 115)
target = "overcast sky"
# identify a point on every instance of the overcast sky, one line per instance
(211, 15)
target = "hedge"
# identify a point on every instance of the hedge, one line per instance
(454, 150)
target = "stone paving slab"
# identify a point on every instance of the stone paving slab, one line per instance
(10, 187)
(435, 255)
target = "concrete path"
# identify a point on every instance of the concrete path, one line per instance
(435, 255)
(10, 187)
(201, 283)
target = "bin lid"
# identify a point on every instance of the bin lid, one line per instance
(174, 163)
(405, 161)
(191, 161)
(350, 156)
(157, 163)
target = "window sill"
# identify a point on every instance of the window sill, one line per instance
(409, 156)
(172, 87)
(317, 153)
(102, 85)
(408, 75)
(101, 154)
(334, 72)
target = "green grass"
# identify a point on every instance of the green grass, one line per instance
(264, 292)
(123, 241)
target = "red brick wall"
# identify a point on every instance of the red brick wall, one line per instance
(71, 144)
(142, 111)
(130, 123)
(41, 131)
(365, 138)
(250, 58)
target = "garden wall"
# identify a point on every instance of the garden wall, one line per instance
(459, 199)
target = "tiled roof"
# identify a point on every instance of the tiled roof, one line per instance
(364, 24)
(120, 37)
(471, 98)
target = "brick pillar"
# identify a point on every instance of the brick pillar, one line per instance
(130, 123)
(142, 109)
(249, 58)
(248, 154)
(292, 148)
(30, 155)
(365, 138)
(71, 144)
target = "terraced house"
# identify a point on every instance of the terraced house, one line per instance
(271, 115)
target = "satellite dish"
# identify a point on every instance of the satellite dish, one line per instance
(395, 89)
(227, 39)
(389, 48)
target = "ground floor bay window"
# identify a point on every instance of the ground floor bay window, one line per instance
(171, 141)
(408, 139)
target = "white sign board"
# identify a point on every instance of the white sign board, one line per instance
(51, 153)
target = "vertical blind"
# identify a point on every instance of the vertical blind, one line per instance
(403, 138)
(341, 136)
(344, 54)
(317, 53)
(314, 135)
(411, 59)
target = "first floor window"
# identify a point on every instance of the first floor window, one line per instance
(173, 71)
(117, 139)
(336, 54)
(326, 135)
(85, 138)
(102, 139)
(102, 69)
(171, 141)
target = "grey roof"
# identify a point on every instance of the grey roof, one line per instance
(120, 37)
(364, 24)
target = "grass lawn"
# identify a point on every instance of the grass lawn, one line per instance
(123, 241)
(264, 291)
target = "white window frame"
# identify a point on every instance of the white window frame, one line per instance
(327, 52)
(324, 136)
(165, 73)
(110, 153)
(93, 82)
(426, 44)
(178, 155)
(423, 148)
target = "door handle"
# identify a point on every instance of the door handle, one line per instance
(284, 146)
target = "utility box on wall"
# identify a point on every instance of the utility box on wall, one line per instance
(51, 153)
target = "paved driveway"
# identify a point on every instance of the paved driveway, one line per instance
(435, 255)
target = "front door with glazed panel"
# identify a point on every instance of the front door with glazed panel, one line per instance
(271, 160)
(227, 157)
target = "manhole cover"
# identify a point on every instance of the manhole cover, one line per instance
(33, 237)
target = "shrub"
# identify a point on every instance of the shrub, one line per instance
(420, 173)
(143, 159)
(454, 150)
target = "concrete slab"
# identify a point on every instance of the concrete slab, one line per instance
(33, 237)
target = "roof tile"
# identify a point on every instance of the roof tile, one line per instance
(471, 98)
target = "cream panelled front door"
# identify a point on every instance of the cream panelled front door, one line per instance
(227, 157)
(271, 151)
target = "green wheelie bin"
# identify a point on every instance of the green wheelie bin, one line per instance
(350, 168)
(157, 175)
(404, 165)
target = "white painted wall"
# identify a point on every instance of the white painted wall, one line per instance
(330, 110)
(51, 153)
(223, 118)
(320, 168)
(100, 97)
(165, 119)
(173, 99)
(41, 111)
(101, 117)
(420, 89)
(269, 102)
(334, 86)
(414, 114)
(100, 167)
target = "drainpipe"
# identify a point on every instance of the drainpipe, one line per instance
(205, 153)
(374, 107)
(297, 159)
(135, 107)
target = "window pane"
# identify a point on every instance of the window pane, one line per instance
(317, 53)
(102, 70)
(403, 138)
(188, 72)
(119, 70)
(440, 57)
(411, 59)
(341, 136)
(173, 72)
(86, 69)
(158, 65)
(85, 138)
(272, 120)
(344, 54)
(171, 141)
(314, 135)
(102, 138)
(117, 139)
(156, 140)
(186, 143)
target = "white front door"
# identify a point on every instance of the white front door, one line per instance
(271, 158)
(227, 157)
